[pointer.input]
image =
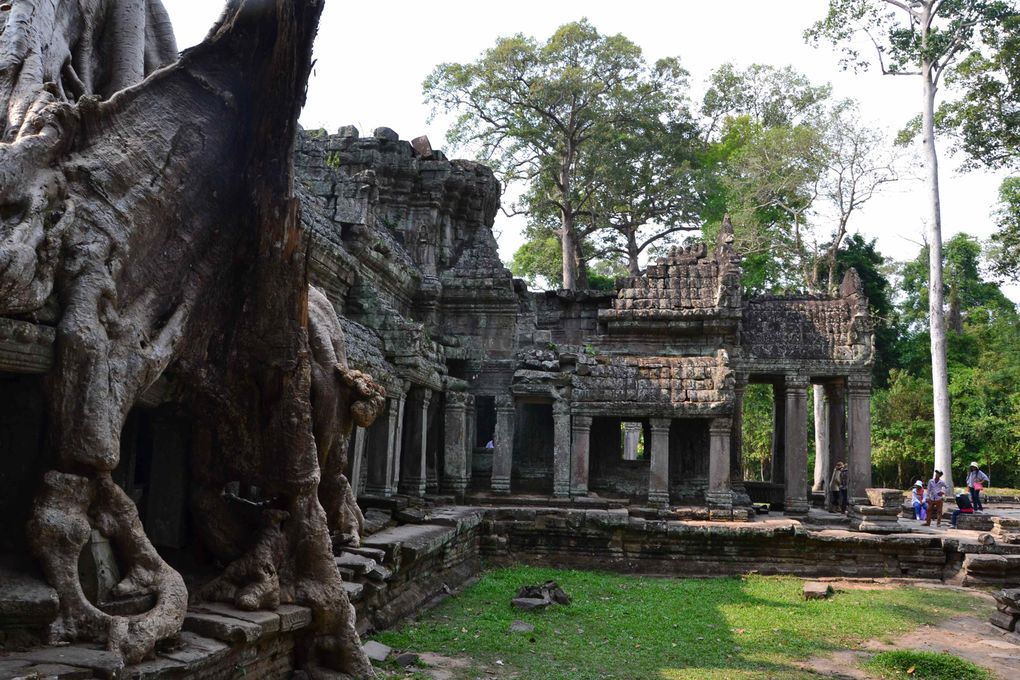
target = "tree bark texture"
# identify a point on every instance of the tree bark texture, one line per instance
(148, 213)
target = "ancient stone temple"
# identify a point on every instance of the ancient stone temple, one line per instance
(564, 387)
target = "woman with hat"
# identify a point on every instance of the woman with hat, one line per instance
(976, 482)
(919, 501)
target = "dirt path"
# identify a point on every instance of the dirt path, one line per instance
(966, 637)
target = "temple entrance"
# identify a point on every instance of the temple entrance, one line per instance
(532, 467)
(688, 460)
(619, 460)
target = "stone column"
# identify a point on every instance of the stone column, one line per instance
(503, 446)
(398, 438)
(455, 470)
(821, 413)
(796, 445)
(383, 449)
(779, 432)
(561, 448)
(720, 493)
(415, 474)
(631, 439)
(580, 443)
(356, 463)
(658, 472)
(470, 434)
(737, 435)
(859, 436)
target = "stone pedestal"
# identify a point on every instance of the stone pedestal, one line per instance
(719, 495)
(879, 513)
(580, 446)
(795, 491)
(503, 444)
(859, 436)
(455, 450)
(658, 472)
(561, 448)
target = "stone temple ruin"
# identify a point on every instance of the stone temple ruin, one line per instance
(401, 242)
(283, 391)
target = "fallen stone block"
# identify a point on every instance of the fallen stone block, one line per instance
(815, 590)
(521, 627)
(376, 651)
(406, 659)
(530, 603)
(223, 628)
(1004, 620)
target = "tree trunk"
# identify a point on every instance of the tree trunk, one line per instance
(939, 371)
(821, 413)
(568, 249)
(161, 226)
(633, 266)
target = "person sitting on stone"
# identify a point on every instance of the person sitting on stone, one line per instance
(963, 507)
(976, 482)
(917, 498)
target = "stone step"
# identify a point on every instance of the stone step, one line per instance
(354, 590)
(356, 563)
(373, 553)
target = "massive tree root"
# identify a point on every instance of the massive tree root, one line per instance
(153, 222)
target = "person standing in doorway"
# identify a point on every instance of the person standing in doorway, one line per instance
(976, 482)
(838, 488)
(937, 490)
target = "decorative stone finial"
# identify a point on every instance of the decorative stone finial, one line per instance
(852, 284)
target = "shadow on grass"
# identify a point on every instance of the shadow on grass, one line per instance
(628, 628)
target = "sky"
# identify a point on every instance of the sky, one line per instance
(371, 59)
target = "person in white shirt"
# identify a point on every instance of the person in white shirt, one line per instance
(937, 490)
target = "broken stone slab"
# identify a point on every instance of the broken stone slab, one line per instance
(885, 498)
(379, 573)
(1004, 620)
(816, 590)
(195, 651)
(376, 651)
(354, 590)
(371, 553)
(294, 617)
(105, 663)
(355, 563)
(268, 621)
(406, 659)
(25, 600)
(223, 628)
(422, 146)
(21, 668)
(550, 590)
(530, 603)
(521, 627)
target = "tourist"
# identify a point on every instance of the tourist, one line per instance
(918, 500)
(837, 488)
(963, 506)
(976, 482)
(937, 490)
(490, 445)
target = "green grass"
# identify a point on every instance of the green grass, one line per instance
(627, 627)
(924, 666)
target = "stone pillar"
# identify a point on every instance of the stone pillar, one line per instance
(720, 493)
(470, 434)
(356, 463)
(398, 438)
(384, 449)
(561, 448)
(796, 446)
(415, 465)
(737, 436)
(779, 432)
(821, 412)
(455, 463)
(658, 472)
(631, 439)
(503, 446)
(859, 436)
(836, 395)
(580, 443)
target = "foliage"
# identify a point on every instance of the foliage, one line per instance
(632, 627)
(757, 432)
(552, 114)
(925, 666)
(1005, 253)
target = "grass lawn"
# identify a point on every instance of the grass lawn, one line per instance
(665, 629)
